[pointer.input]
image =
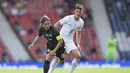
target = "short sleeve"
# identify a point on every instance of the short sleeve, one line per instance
(82, 25)
(56, 31)
(40, 32)
(64, 20)
(57, 34)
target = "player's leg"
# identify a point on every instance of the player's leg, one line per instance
(47, 62)
(59, 55)
(53, 65)
(108, 57)
(114, 57)
(76, 54)
(71, 49)
(61, 59)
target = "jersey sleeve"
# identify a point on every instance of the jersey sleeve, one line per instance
(109, 43)
(64, 20)
(58, 37)
(56, 31)
(82, 25)
(40, 32)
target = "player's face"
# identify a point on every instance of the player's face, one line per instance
(47, 25)
(78, 12)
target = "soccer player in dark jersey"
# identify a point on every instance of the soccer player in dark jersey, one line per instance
(54, 43)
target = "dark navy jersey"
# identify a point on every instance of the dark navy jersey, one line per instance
(50, 35)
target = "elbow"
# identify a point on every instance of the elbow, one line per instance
(61, 41)
(57, 24)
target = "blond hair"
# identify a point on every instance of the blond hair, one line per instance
(79, 6)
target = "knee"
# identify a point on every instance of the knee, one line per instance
(78, 56)
(48, 57)
(53, 65)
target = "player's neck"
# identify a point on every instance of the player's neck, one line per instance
(46, 28)
(76, 18)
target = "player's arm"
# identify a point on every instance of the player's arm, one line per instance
(62, 21)
(109, 43)
(60, 42)
(37, 39)
(78, 38)
(57, 24)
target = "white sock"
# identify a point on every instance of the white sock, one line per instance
(74, 65)
(53, 65)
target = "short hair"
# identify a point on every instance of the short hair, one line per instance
(79, 6)
(43, 19)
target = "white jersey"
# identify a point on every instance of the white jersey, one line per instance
(70, 26)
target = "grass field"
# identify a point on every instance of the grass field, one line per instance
(78, 70)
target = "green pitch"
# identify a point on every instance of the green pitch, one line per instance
(78, 70)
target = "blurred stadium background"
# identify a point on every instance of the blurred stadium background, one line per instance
(19, 23)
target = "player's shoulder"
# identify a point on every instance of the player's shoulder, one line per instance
(81, 20)
(54, 28)
(68, 16)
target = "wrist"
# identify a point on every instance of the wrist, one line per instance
(78, 45)
(54, 50)
(32, 44)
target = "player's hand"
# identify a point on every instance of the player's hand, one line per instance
(30, 46)
(79, 48)
(52, 53)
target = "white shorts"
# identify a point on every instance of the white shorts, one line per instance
(69, 45)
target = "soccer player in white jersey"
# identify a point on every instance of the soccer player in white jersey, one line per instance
(72, 24)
